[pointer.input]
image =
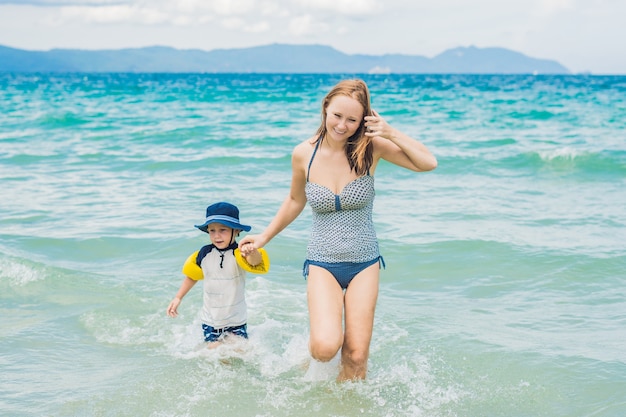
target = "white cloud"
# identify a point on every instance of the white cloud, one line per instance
(155, 12)
(113, 14)
(346, 7)
(231, 7)
(236, 23)
(547, 8)
(306, 25)
(233, 23)
(274, 9)
(258, 27)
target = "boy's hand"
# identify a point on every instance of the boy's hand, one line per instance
(172, 309)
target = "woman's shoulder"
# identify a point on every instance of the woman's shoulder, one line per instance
(305, 147)
(307, 143)
(301, 155)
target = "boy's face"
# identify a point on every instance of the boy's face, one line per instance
(221, 236)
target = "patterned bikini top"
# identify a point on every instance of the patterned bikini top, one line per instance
(342, 230)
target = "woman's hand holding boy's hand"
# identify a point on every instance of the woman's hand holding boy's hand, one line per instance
(251, 243)
(252, 255)
(246, 248)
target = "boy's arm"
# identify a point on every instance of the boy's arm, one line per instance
(187, 284)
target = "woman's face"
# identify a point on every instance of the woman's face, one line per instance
(344, 115)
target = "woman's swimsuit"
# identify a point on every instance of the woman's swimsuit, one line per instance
(343, 240)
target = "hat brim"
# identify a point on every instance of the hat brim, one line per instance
(226, 221)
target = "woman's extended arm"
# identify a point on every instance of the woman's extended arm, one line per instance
(291, 207)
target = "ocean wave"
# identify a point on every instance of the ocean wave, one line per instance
(532, 115)
(494, 158)
(607, 162)
(20, 272)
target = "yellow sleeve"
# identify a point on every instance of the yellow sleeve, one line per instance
(261, 268)
(191, 269)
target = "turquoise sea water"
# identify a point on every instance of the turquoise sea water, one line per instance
(505, 287)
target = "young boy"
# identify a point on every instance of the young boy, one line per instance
(223, 268)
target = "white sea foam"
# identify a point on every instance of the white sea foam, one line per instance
(566, 153)
(20, 273)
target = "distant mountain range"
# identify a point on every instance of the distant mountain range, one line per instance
(275, 58)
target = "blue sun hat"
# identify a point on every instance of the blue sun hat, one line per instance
(223, 213)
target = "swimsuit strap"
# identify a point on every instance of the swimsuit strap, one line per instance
(317, 144)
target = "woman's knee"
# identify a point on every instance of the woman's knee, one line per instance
(356, 358)
(324, 350)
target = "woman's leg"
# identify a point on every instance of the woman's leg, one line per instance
(360, 305)
(325, 300)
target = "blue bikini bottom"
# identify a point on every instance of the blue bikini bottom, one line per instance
(343, 272)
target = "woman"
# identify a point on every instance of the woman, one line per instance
(333, 171)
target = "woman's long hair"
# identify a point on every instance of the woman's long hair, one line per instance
(359, 148)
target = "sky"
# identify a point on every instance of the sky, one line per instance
(582, 35)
